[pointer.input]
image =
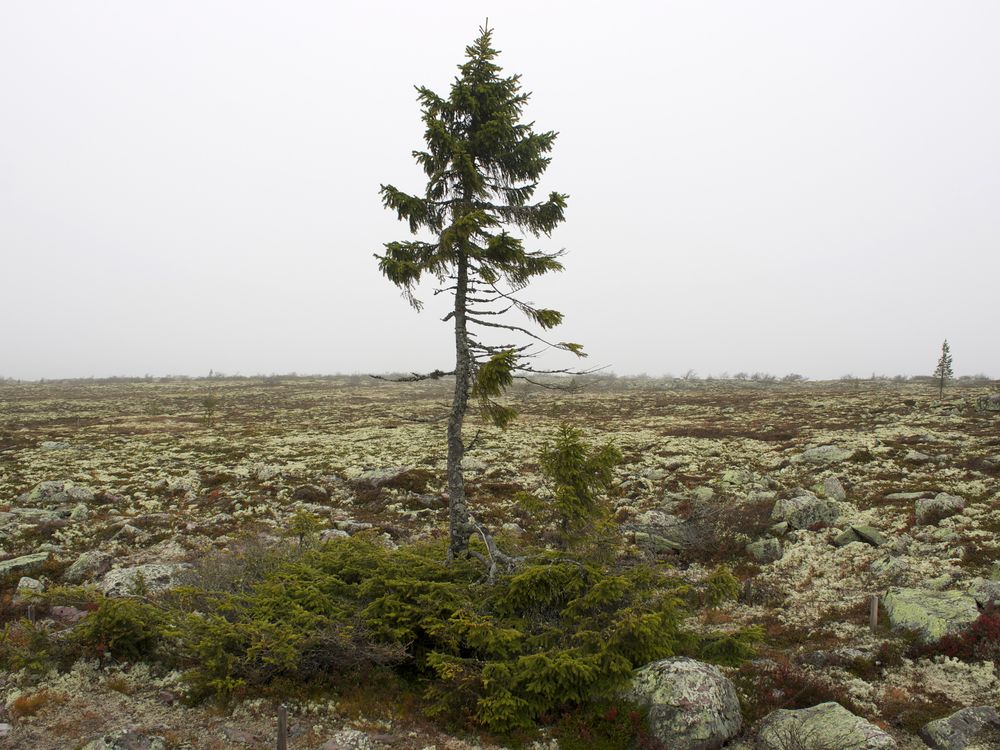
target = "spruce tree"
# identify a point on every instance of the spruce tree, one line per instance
(483, 165)
(943, 373)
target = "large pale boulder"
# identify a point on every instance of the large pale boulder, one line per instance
(152, 578)
(24, 564)
(89, 565)
(827, 726)
(56, 492)
(691, 705)
(931, 614)
(976, 728)
(806, 512)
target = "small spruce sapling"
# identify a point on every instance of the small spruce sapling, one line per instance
(943, 372)
(579, 476)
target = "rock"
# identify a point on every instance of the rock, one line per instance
(869, 535)
(310, 493)
(703, 494)
(986, 593)
(348, 739)
(736, 477)
(806, 512)
(779, 529)
(28, 590)
(845, 537)
(153, 578)
(692, 705)
(828, 726)
(765, 550)
(916, 457)
(328, 535)
(865, 534)
(89, 565)
(5, 730)
(69, 615)
(941, 506)
(989, 403)
(126, 739)
(37, 515)
(23, 564)
(660, 531)
(824, 454)
(977, 727)
(55, 493)
(932, 614)
(834, 489)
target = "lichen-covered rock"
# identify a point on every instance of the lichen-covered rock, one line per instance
(976, 728)
(310, 493)
(930, 510)
(692, 705)
(834, 489)
(931, 614)
(89, 565)
(865, 534)
(28, 590)
(56, 492)
(827, 726)
(23, 564)
(824, 454)
(985, 592)
(151, 578)
(806, 512)
(765, 550)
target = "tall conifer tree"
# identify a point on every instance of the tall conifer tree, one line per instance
(483, 165)
(943, 372)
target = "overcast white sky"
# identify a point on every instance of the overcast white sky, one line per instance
(790, 186)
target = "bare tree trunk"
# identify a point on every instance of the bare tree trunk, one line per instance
(458, 513)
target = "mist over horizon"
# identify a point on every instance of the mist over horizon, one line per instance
(793, 188)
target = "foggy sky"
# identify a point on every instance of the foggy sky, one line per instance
(808, 187)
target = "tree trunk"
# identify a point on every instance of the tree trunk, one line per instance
(458, 513)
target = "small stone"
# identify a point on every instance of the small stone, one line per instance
(89, 565)
(824, 454)
(916, 457)
(806, 512)
(23, 564)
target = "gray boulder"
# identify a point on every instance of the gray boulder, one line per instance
(765, 550)
(55, 493)
(806, 512)
(827, 726)
(152, 578)
(976, 728)
(865, 534)
(933, 509)
(692, 705)
(931, 614)
(834, 489)
(24, 564)
(89, 565)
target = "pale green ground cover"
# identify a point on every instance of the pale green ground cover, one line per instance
(190, 481)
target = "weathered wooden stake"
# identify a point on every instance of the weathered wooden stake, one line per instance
(282, 728)
(873, 612)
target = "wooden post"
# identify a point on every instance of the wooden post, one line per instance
(873, 612)
(282, 728)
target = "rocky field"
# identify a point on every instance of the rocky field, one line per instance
(818, 496)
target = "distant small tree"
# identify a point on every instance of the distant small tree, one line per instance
(483, 165)
(943, 373)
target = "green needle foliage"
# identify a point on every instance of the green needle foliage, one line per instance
(943, 372)
(483, 165)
